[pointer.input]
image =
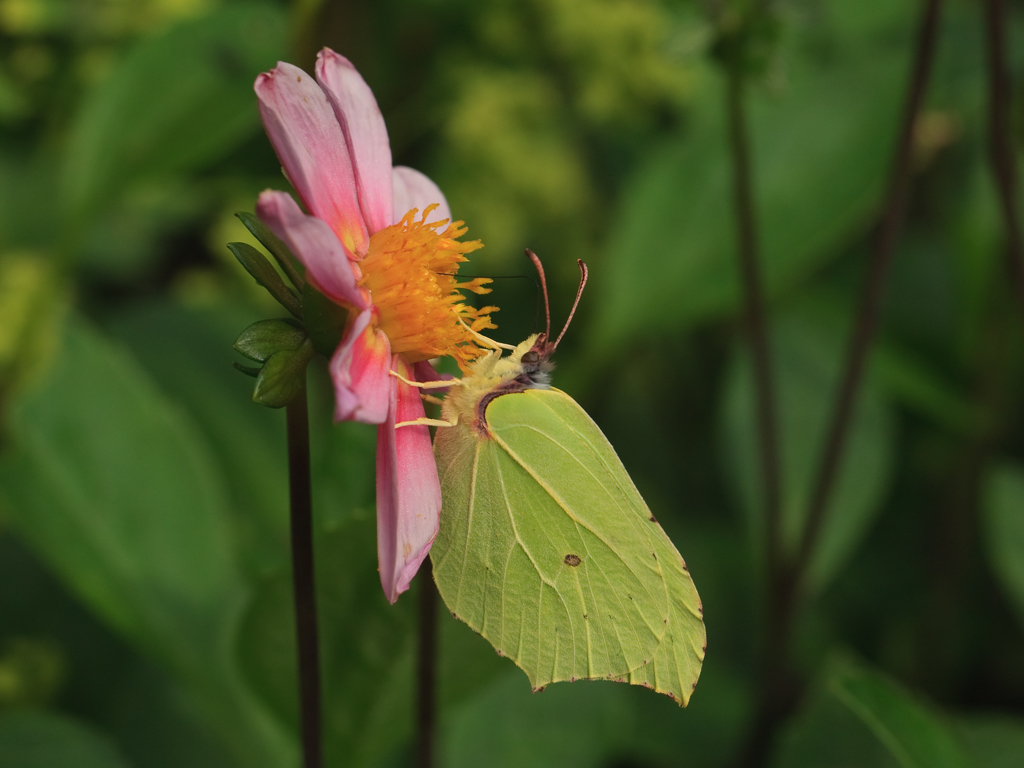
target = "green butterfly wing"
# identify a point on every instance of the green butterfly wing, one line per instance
(547, 549)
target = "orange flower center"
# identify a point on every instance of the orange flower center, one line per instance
(410, 271)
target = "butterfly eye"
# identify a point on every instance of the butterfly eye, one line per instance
(531, 357)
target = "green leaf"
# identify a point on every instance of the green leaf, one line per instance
(855, 716)
(580, 725)
(992, 741)
(324, 320)
(1003, 521)
(32, 307)
(915, 384)
(281, 252)
(821, 138)
(807, 349)
(256, 264)
(186, 351)
(41, 740)
(366, 648)
(593, 724)
(174, 103)
(913, 734)
(283, 376)
(265, 337)
(115, 489)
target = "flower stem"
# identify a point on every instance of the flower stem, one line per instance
(874, 288)
(426, 703)
(778, 694)
(300, 496)
(755, 313)
(775, 674)
(1001, 152)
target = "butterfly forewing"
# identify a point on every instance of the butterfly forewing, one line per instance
(545, 546)
(556, 427)
(677, 662)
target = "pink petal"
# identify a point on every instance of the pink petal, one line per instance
(316, 246)
(408, 491)
(311, 146)
(367, 138)
(360, 369)
(415, 190)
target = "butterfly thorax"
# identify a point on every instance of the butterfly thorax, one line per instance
(527, 367)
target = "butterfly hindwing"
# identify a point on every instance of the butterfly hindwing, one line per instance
(679, 656)
(545, 545)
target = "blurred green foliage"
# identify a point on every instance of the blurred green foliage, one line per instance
(145, 609)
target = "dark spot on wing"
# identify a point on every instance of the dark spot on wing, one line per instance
(654, 519)
(572, 560)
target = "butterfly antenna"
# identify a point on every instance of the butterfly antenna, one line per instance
(544, 287)
(579, 292)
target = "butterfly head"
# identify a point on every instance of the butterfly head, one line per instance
(537, 365)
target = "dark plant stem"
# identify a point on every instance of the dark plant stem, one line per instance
(1001, 152)
(426, 702)
(870, 307)
(775, 672)
(953, 546)
(755, 315)
(779, 692)
(307, 643)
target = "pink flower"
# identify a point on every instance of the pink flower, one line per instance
(368, 247)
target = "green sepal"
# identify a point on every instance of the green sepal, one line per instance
(324, 320)
(248, 370)
(263, 338)
(281, 252)
(283, 376)
(263, 272)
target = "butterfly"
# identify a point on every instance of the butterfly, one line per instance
(546, 547)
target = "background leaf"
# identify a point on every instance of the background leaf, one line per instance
(116, 490)
(178, 100)
(807, 347)
(916, 737)
(851, 703)
(187, 353)
(820, 148)
(1004, 529)
(38, 740)
(992, 741)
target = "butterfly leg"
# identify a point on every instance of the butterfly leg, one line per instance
(486, 341)
(432, 399)
(425, 423)
(444, 383)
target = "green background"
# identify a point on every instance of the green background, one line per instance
(145, 605)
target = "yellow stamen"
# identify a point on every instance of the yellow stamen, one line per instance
(410, 273)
